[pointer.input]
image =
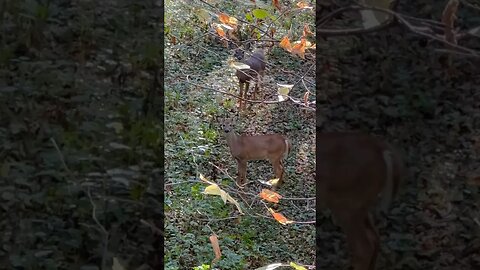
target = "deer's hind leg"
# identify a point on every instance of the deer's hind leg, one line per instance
(242, 171)
(374, 239)
(362, 243)
(258, 81)
(241, 94)
(247, 85)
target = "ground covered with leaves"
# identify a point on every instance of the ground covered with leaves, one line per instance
(80, 135)
(393, 84)
(197, 66)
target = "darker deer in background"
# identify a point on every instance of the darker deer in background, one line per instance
(353, 170)
(256, 62)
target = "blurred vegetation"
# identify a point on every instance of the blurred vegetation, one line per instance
(80, 134)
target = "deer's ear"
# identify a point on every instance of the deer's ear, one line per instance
(236, 117)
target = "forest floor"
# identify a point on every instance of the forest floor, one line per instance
(197, 66)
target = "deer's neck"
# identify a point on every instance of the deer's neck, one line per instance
(232, 138)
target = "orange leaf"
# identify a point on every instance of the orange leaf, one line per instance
(285, 43)
(306, 30)
(299, 48)
(276, 4)
(302, 4)
(216, 248)
(224, 18)
(270, 196)
(220, 31)
(279, 217)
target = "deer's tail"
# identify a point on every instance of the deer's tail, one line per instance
(288, 146)
(387, 195)
(394, 175)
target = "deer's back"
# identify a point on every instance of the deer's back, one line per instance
(256, 61)
(260, 147)
(257, 65)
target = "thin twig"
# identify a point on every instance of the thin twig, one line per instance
(456, 52)
(298, 199)
(218, 219)
(305, 222)
(294, 100)
(60, 155)
(303, 76)
(471, 5)
(152, 226)
(102, 229)
(183, 182)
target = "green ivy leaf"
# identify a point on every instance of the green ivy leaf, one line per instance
(260, 13)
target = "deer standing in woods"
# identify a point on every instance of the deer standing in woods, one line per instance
(272, 147)
(256, 63)
(352, 171)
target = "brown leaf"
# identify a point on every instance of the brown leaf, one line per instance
(276, 4)
(306, 30)
(305, 97)
(216, 248)
(173, 40)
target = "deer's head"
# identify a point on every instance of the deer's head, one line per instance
(227, 125)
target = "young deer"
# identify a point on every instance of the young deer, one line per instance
(256, 62)
(272, 147)
(352, 171)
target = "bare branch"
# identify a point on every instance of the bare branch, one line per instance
(294, 100)
(403, 21)
(471, 5)
(102, 230)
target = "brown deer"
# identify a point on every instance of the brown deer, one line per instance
(352, 171)
(256, 62)
(272, 147)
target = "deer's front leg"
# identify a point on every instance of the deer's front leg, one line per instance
(247, 85)
(278, 170)
(242, 171)
(241, 95)
(357, 227)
